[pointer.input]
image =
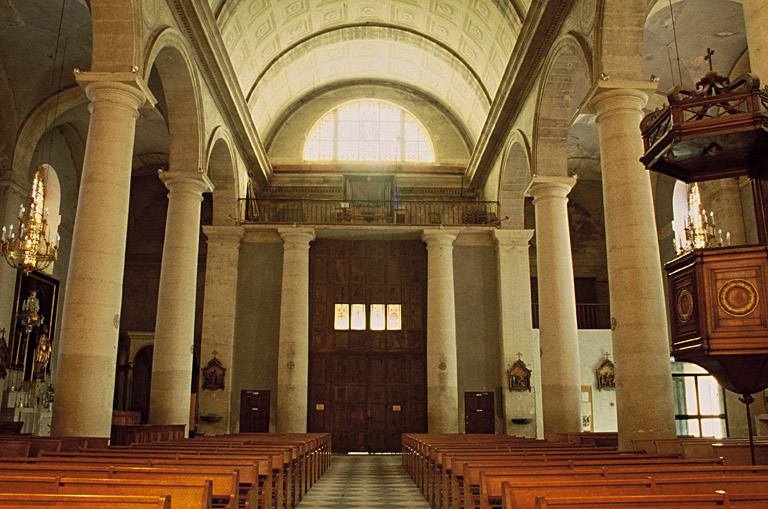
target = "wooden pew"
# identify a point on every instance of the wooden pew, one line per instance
(256, 474)
(225, 489)
(275, 470)
(25, 501)
(722, 500)
(55, 443)
(283, 477)
(525, 493)
(468, 486)
(186, 494)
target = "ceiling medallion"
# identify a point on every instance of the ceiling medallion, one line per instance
(684, 305)
(738, 297)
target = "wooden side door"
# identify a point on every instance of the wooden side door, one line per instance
(478, 412)
(254, 411)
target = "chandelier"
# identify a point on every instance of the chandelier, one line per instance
(700, 230)
(28, 248)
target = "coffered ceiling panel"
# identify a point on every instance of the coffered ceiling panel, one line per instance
(453, 50)
(385, 54)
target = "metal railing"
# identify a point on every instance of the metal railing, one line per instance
(401, 212)
(588, 316)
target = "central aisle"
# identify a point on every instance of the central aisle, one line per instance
(367, 481)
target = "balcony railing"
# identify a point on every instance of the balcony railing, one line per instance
(401, 212)
(588, 316)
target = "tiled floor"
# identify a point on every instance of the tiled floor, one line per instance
(365, 482)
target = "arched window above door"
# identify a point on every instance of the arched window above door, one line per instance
(369, 131)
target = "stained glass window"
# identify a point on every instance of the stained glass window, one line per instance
(382, 317)
(358, 316)
(377, 317)
(394, 321)
(341, 317)
(369, 131)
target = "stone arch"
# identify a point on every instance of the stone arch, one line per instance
(513, 177)
(619, 38)
(169, 55)
(566, 71)
(117, 35)
(39, 122)
(222, 171)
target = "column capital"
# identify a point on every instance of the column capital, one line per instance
(224, 234)
(549, 186)
(126, 88)
(512, 238)
(609, 97)
(296, 237)
(439, 237)
(181, 182)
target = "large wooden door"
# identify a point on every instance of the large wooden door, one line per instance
(366, 387)
(478, 412)
(254, 411)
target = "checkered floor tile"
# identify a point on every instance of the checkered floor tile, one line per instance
(365, 482)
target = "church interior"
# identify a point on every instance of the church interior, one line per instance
(367, 218)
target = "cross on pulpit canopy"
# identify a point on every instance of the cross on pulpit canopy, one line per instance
(708, 57)
(215, 353)
(519, 355)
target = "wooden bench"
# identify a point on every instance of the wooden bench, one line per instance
(127, 434)
(468, 486)
(256, 477)
(187, 494)
(274, 470)
(525, 492)
(225, 489)
(745, 501)
(52, 443)
(25, 501)
(283, 481)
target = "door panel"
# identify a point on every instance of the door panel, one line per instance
(254, 411)
(478, 412)
(372, 384)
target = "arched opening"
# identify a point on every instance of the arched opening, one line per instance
(221, 171)
(141, 382)
(514, 177)
(369, 130)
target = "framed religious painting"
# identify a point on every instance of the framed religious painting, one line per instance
(33, 324)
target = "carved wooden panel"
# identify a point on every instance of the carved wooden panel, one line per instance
(367, 387)
(719, 302)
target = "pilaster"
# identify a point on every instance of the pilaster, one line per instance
(442, 366)
(293, 350)
(219, 321)
(516, 329)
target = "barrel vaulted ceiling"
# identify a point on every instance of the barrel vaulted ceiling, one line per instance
(454, 51)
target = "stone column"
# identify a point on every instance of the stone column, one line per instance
(638, 312)
(515, 326)
(219, 320)
(293, 349)
(558, 331)
(755, 20)
(169, 399)
(442, 370)
(91, 313)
